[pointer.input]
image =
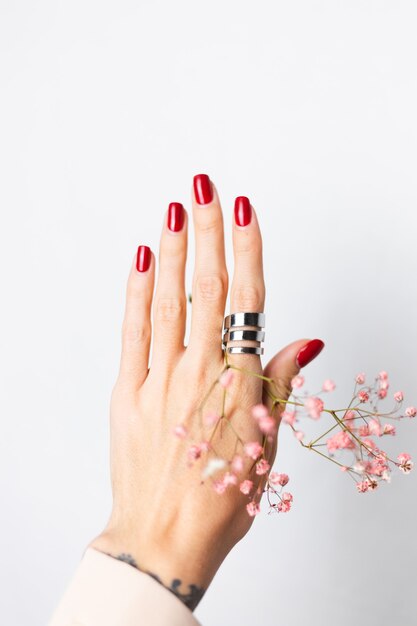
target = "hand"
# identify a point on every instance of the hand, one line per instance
(164, 520)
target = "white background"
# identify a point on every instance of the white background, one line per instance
(107, 109)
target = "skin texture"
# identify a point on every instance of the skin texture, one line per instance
(164, 521)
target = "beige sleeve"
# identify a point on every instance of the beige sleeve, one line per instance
(108, 592)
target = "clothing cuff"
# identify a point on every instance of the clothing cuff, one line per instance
(107, 592)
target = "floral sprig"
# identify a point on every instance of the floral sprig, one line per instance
(350, 442)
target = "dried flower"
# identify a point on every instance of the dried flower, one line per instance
(297, 382)
(262, 467)
(314, 407)
(253, 508)
(253, 449)
(278, 479)
(246, 486)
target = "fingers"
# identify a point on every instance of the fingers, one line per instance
(136, 329)
(210, 281)
(248, 287)
(169, 310)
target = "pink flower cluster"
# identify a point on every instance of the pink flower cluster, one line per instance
(351, 440)
(354, 429)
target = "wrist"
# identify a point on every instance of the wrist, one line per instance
(187, 578)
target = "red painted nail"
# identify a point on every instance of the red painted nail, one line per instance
(203, 189)
(143, 259)
(175, 216)
(309, 352)
(243, 211)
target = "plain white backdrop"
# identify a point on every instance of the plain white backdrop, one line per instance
(107, 109)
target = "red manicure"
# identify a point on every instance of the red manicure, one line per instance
(175, 216)
(203, 189)
(243, 211)
(309, 352)
(143, 259)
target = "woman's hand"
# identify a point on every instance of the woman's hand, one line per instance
(165, 520)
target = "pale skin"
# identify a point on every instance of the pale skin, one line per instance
(163, 517)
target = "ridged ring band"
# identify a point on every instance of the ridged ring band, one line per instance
(244, 319)
(243, 335)
(244, 350)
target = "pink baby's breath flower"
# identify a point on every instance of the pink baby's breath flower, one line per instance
(314, 407)
(226, 378)
(194, 452)
(288, 417)
(360, 378)
(219, 486)
(349, 419)
(237, 463)
(398, 396)
(211, 419)
(299, 435)
(267, 425)
(382, 393)
(383, 375)
(370, 445)
(340, 441)
(246, 486)
(297, 382)
(278, 479)
(229, 479)
(405, 463)
(364, 430)
(411, 411)
(363, 396)
(384, 384)
(285, 503)
(253, 508)
(180, 431)
(253, 449)
(262, 467)
(259, 410)
(362, 486)
(375, 428)
(389, 429)
(328, 385)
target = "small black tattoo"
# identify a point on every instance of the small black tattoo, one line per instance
(190, 599)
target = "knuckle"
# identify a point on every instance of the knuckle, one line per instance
(135, 334)
(248, 297)
(212, 287)
(169, 309)
(209, 225)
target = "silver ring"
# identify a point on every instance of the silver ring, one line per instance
(243, 335)
(244, 319)
(244, 350)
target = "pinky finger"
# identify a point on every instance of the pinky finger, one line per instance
(136, 329)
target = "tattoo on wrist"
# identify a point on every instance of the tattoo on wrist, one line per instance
(190, 599)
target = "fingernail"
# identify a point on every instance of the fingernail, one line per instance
(203, 189)
(309, 352)
(143, 259)
(243, 211)
(175, 216)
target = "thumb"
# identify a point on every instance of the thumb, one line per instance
(287, 363)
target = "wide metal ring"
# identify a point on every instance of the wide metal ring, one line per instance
(243, 335)
(244, 319)
(244, 350)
